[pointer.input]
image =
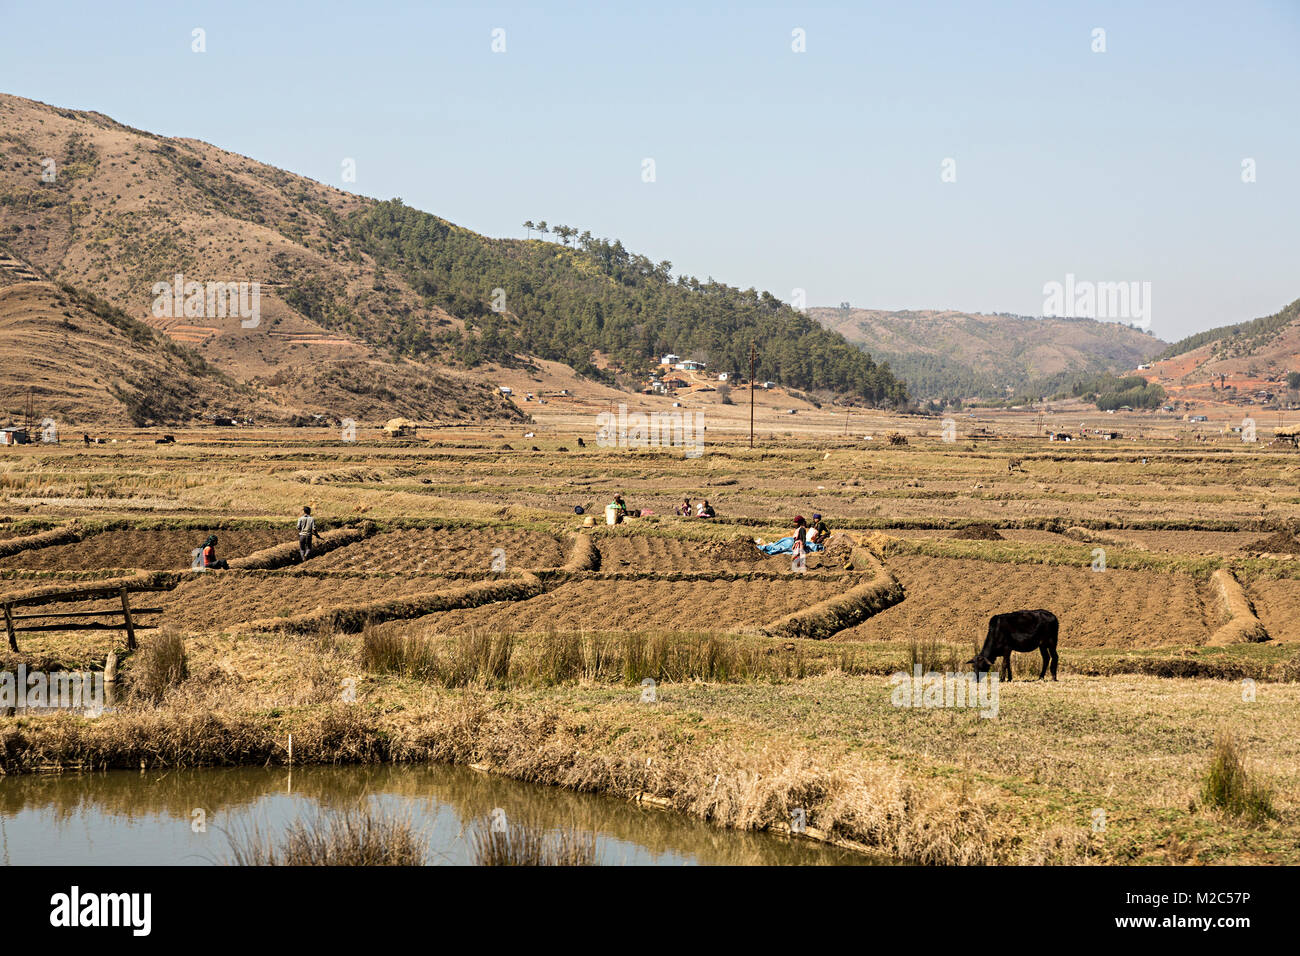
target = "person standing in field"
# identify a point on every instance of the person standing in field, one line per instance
(306, 531)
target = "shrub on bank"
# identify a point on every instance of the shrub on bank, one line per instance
(159, 665)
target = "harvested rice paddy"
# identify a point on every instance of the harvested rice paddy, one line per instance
(810, 718)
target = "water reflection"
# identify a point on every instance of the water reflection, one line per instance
(121, 817)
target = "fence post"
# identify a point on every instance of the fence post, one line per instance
(126, 621)
(9, 626)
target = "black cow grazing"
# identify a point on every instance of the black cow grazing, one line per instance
(1022, 631)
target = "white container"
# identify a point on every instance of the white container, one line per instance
(611, 514)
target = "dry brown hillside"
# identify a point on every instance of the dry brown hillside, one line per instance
(949, 353)
(88, 363)
(83, 369)
(1237, 365)
(115, 210)
(1257, 367)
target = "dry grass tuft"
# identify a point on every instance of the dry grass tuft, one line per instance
(930, 655)
(552, 658)
(518, 844)
(159, 666)
(1230, 786)
(472, 658)
(1289, 669)
(357, 836)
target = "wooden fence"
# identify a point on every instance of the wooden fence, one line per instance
(122, 617)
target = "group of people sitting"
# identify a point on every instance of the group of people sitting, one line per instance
(702, 510)
(804, 538)
(619, 509)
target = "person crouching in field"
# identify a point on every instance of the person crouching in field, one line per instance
(210, 560)
(799, 546)
(306, 531)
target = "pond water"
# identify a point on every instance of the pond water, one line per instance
(188, 817)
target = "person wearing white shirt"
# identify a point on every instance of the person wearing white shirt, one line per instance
(306, 532)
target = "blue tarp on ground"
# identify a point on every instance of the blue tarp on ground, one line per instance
(786, 546)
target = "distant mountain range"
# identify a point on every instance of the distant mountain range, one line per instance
(112, 240)
(948, 354)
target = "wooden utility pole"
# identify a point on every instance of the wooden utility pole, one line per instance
(127, 623)
(751, 394)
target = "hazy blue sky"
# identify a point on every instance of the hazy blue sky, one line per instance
(775, 169)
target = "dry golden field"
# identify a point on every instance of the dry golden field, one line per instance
(472, 616)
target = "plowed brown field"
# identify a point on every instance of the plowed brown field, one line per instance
(147, 550)
(1027, 535)
(951, 600)
(228, 598)
(667, 555)
(1277, 604)
(644, 605)
(1193, 542)
(442, 549)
